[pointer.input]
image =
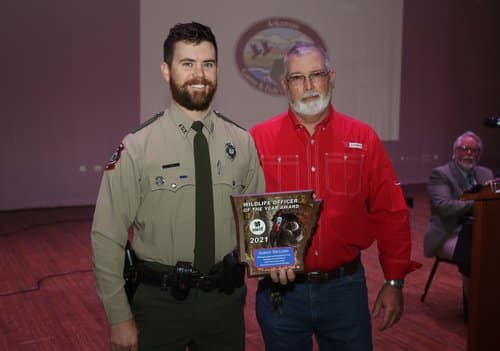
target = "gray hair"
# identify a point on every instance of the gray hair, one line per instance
(471, 135)
(301, 48)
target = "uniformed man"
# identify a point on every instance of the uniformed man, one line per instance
(150, 185)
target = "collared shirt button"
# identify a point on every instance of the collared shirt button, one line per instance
(313, 169)
(312, 141)
(316, 253)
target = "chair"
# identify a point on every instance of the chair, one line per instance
(461, 254)
(433, 271)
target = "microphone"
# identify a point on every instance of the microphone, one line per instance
(492, 122)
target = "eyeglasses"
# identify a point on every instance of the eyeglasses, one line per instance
(465, 148)
(300, 79)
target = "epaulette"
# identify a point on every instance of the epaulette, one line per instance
(149, 121)
(227, 119)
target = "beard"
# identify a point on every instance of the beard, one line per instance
(467, 163)
(196, 101)
(314, 107)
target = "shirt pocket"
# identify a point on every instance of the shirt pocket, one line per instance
(173, 180)
(225, 186)
(228, 184)
(344, 172)
(282, 172)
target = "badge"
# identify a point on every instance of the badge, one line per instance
(230, 150)
(183, 128)
(115, 157)
(159, 180)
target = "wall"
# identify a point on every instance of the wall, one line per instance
(70, 91)
(448, 83)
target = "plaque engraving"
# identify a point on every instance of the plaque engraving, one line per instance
(274, 229)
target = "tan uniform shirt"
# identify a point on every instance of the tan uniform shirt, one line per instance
(150, 185)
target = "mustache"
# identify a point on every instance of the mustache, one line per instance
(309, 94)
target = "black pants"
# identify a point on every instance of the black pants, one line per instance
(204, 321)
(463, 250)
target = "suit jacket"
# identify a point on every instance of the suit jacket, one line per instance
(446, 185)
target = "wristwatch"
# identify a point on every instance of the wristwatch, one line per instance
(397, 283)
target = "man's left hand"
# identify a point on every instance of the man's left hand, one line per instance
(282, 276)
(390, 300)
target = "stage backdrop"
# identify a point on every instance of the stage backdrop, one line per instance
(363, 38)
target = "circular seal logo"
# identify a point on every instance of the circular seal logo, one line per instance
(257, 227)
(260, 50)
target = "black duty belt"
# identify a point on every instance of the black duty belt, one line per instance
(166, 278)
(323, 276)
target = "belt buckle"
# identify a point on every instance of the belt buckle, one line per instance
(315, 277)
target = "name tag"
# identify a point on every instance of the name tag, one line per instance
(353, 145)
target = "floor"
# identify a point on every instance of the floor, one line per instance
(48, 301)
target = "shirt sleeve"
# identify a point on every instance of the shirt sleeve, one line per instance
(389, 215)
(115, 210)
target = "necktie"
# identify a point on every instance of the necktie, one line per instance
(472, 181)
(204, 250)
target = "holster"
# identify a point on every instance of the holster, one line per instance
(232, 275)
(130, 272)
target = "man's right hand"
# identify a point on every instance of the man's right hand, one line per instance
(123, 336)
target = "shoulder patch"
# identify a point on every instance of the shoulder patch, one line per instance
(115, 157)
(227, 119)
(149, 121)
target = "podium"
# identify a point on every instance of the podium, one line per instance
(484, 290)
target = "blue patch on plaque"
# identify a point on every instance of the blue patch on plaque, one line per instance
(275, 257)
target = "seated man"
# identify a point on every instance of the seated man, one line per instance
(450, 215)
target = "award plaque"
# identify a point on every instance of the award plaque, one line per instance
(274, 229)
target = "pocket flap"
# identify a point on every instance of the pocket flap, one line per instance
(170, 180)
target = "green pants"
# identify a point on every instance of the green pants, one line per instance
(204, 321)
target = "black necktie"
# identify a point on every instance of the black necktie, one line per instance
(204, 250)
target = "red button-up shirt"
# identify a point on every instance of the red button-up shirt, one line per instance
(346, 165)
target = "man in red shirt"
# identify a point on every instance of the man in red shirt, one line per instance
(312, 146)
